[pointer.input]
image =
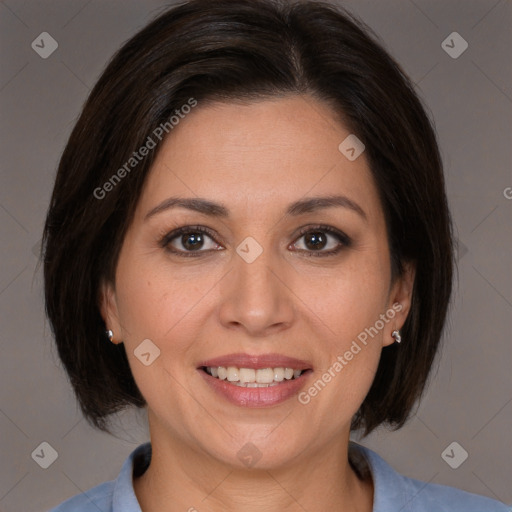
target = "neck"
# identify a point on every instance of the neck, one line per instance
(182, 478)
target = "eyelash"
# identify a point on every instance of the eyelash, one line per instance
(345, 241)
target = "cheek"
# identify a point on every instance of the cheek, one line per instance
(353, 297)
(157, 302)
(155, 305)
(350, 308)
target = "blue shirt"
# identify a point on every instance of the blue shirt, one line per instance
(392, 491)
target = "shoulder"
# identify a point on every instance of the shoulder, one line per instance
(114, 496)
(393, 491)
(425, 497)
(97, 498)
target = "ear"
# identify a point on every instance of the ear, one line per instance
(108, 309)
(400, 299)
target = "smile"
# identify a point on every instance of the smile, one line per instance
(253, 378)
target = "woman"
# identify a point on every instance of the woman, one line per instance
(249, 236)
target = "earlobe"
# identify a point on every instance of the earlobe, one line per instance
(400, 301)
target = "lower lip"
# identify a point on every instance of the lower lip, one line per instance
(256, 397)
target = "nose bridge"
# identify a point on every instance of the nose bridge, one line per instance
(253, 271)
(256, 298)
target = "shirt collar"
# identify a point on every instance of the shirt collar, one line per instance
(389, 488)
(124, 498)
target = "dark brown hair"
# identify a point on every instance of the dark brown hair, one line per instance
(231, 50)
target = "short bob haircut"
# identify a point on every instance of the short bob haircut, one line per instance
(243, 51)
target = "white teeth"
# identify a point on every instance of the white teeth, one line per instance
(248, 375)
(254, 384)
(278, 374)
(265, 376)
(251, 378)
(232, 374)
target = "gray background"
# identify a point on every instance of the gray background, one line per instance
(470, 97)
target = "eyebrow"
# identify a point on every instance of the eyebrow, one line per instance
(295, 209)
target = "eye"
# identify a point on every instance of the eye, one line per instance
(188, 240)
(316, 239)
(191, 241)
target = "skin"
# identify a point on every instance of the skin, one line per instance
(256, 159)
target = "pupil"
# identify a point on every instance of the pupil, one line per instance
(192, 241)
(313, 240)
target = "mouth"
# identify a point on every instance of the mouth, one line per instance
(255, 381)
(252, 377)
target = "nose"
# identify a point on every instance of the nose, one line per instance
(256, 297)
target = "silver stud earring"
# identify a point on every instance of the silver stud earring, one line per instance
(110, 334)
(396, 335)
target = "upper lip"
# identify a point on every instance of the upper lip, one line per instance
(241, 360)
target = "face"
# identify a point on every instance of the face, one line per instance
(265, 278)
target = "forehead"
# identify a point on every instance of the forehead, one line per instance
(259, 155)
